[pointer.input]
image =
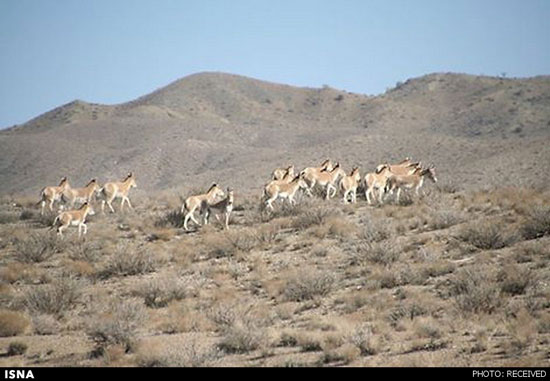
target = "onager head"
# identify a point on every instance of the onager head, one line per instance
(381, 167)
(430, 173)
(87, 208)
(214, 191)
(355, 174)
(131, 179)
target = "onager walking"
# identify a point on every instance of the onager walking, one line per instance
(114, 190)
(73, 218)
(275, 190)
(414, 180)
(201, 202)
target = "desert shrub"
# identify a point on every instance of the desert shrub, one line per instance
(374, 231)
(244, 240)
(33, 215)
(384, 253)
(189, 353)
(448, 187)
(12, 323)
(362, 337)
(128, 262)
(314, 216)
(159, 292)
(217, 245)
(116, 323)
(443, 218)
(84, 251)
(36, 247)
(174, 218)
(537, 223)
(486, 236)
(267, 234)
(474, 291)
(44, 324)
(515, 280)
(16, 348)
(242, 336)
(242, 331)
(405, 311)
(308, 284)
(336, 227)
(56, 297)
(8, 218)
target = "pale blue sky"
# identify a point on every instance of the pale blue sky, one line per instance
(112, 51)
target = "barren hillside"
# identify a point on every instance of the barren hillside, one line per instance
(215, 126)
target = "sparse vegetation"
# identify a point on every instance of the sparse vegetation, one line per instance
(325, 284)
(12, 323)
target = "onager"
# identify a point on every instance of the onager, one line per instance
(52, 194)
(73, 218)
(86, 194)
(414, 180)
(275, 190)
(349, 184)
(224, 206)
(328, 179)
(114, 190)
(309, 173)
(283, 173)
(201, 202)
(376, 180)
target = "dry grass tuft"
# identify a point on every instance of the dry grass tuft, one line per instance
(12, 323)
(307, 285)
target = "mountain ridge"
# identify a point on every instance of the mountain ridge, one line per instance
(212, 126)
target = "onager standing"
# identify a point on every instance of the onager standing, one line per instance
(415, 180)
(201, 202)
(114, 190)
(275, 190)
(86, 194)
(349, 185)
(52, 194)
(224, 206)
(73, 218)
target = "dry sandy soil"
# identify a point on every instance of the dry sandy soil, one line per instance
(456, 277)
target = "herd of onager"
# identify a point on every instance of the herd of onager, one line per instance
(284, 184)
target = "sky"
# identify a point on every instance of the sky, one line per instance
(112, 51)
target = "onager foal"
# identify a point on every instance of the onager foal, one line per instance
(52, 194)
(114, 190)
(73, 218)
(349, 185)
(201, 202)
